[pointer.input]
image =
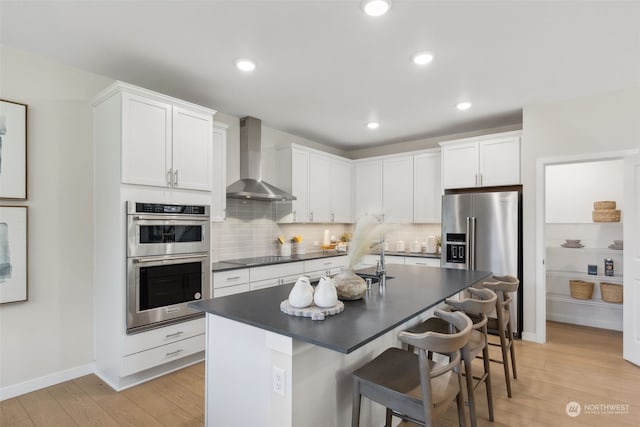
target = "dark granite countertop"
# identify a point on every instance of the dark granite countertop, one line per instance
(270, 260)
(413, 290)
(225, 265)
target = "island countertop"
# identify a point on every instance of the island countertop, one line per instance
(411, 291)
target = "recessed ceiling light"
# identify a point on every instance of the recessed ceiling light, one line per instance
(245, 65)
(422, 58)
(373, 125)
(376, 7)
(463, 106)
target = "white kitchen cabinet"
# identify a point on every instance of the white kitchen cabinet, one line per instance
(292, 175)
(341, 190)
(427, 193)
(319, 187)
(491, 160)
(397, 189)
(229, 282)
(422, 261)
(321, 183)
(368, 187)
(219, 172)
(165, 142)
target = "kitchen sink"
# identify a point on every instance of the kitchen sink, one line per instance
(374, 277)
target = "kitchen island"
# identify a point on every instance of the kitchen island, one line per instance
(266, 368)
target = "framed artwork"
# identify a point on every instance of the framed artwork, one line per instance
(13, 150)
(13, 254)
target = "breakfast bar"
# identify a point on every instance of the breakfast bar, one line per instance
(267, 368)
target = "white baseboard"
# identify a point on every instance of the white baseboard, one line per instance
(530, 336)
(45, 381)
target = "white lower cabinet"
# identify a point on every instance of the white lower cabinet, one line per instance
(230, 282)
(158, 346)
(426, 262)
(316, 268)
(160, 355)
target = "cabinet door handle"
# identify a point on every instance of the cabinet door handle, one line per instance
(175, 178)
(229, 279)
(175, 334)
(480, 180)
(333, 217)
(476, 180)
(294, 216)
(169, 177)
(311, 216)
(174, 353)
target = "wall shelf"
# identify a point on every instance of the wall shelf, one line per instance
(617, 279)
(585, 302)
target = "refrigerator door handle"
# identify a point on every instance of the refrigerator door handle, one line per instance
(467, 247)
(471, 243)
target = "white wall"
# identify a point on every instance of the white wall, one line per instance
(596, 124)
(53, 330)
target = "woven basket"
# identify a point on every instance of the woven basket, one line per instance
(605, 204)
(606, 215)
(611, 292)
(581, 289)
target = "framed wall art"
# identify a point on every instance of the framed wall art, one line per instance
(13, 150)
(13, 254)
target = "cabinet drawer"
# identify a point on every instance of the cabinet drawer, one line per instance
(162, 336)
(428, 262)
(230, 278)
(276, 271)
(324, 264)
(157, 356)
(231, 290)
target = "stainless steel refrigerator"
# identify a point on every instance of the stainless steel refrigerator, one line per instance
(483, 231)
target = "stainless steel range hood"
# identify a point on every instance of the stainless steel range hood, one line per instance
(250, 185)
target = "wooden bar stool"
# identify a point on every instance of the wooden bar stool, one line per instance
(502, 325)
(411, 386)
(477, 308)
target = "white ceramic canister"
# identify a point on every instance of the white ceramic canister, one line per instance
(415, 247)
(285, 249)
(400, 246)
(432, 246)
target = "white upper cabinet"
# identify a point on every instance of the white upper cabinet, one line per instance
(427, 194)
(165, 142)
(219, 172)
(341, 190)
(146, 145)
(397, 189)
(192, 149)
(292, 175)
(368, 187)
(481, 162)
(321, 182)
(319, 187)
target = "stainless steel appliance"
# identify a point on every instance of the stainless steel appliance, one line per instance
(483, 231)
(168, 263)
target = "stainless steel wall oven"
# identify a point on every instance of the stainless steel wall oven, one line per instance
(168, 263)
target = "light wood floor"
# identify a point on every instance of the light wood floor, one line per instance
(578, 364)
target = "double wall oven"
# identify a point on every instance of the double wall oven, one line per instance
(167, 263)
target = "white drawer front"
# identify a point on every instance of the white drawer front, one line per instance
(275, 271)
(230, 278)
(157, 337)
(160, 355)
(324, 264)
(267, 283)
(428, 262)
(231, 290)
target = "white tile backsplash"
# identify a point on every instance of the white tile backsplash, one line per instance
(250, 230)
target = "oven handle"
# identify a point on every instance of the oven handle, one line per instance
(166, 258)
(196, 218)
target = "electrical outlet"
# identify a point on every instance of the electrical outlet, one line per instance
(316, 244)
(278, 380)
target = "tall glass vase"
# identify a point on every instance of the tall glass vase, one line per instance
(349, 285)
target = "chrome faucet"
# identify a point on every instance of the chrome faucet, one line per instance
(381, 271)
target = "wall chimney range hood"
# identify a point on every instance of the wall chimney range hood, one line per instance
(250, 185)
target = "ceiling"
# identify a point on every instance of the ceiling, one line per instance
(325, 69)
